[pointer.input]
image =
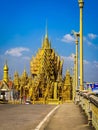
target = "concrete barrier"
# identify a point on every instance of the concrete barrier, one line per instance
(89, 104)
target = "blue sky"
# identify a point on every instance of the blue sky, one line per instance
(22, 28)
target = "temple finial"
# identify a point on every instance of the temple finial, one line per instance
(46, 35)
(6, 61)
(24, 68)
(5, 72)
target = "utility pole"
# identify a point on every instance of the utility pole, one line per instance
(81, 3)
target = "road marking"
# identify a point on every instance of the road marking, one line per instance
(45, 119)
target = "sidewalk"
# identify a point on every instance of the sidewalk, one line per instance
(68, 117)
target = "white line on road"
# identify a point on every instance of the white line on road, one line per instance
(45, 119)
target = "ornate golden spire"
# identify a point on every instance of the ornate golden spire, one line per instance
(67, 72)
(5, 72)
(25, 73)
(15, 73)
(6, 66)
(46, 44)
(46, 35)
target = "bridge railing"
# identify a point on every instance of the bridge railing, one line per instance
(89, 104)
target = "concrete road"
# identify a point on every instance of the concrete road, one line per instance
(22, 117)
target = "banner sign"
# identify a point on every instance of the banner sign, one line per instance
(93, 87)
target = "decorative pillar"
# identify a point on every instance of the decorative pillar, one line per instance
(55, 90)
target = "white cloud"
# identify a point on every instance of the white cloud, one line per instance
(96, 63)
(26, 58)
(91, 71)
(68, 63)
(84, 38)
(92, 36)
(90, 68)
(16, 51)
(68, 58)
(85, 62)
(72, 55)
(68, 38)
(87, 41)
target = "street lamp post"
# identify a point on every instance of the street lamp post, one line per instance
(74, 78)
(76, 63)
(76, 34)
(81, 3)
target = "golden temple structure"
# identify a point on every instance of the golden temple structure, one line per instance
(48, 85)
(45, 85)
(46, 69)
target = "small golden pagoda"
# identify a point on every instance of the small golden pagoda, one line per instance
(6, 85)
(67, 87)
(16, 81)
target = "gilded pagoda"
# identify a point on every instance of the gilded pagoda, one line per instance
(46, 70)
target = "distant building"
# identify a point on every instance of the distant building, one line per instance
(6, 85)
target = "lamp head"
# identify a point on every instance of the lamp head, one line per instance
(76, 34)
(81, 3)
(80, 0)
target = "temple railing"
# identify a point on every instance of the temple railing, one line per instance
(88, 101)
